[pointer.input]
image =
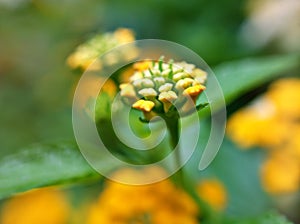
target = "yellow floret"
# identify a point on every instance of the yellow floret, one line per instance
(213, 192)
(142, 65)
(157, 203)
(285, 94)
(43, 206)
(143, 105)
(280, 173)
(194, 91)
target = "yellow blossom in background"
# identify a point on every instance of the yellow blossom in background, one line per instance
(280, 173)
(293, 146)
(272, 122)
(126, 74)
(154, 203)
(257, 125)
(285, 95)
(267, 122)
(213, 192)
(91, 85)
(86, 54)
(124, 35)
(42, 206)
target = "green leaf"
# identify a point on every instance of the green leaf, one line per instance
(239, 77)
(42, 165)
(268, 218)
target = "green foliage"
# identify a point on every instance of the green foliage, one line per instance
(43, 165)
(237, 78)
(268, 218)
(239, 171)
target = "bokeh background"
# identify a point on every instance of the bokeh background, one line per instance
(37, 36)
(36, 85)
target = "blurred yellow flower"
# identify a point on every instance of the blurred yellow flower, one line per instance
(91, 85)
(257, 125)
(273, 122)
(280, 173)
(285, 96)
(124, 35)
(42, 206)
(86, 54)
(213, 192)
(154, 203)
(293, 145)
(267, 122)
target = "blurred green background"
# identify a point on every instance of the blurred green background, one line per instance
(37, 36)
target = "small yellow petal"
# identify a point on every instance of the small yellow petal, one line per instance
(179, 75)
(194, 90)
(184, 83)
(165, 87)
(199, 75)
(142, 65)
(144, 105)
(169, 96)
(148, 92)
(127, 90)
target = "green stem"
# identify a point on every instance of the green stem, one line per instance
(182, 179)
(173, 127)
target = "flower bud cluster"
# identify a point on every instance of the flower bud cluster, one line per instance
(157, 87)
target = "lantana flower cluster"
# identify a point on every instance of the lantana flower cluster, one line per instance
(157, 203)
(157, 87)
